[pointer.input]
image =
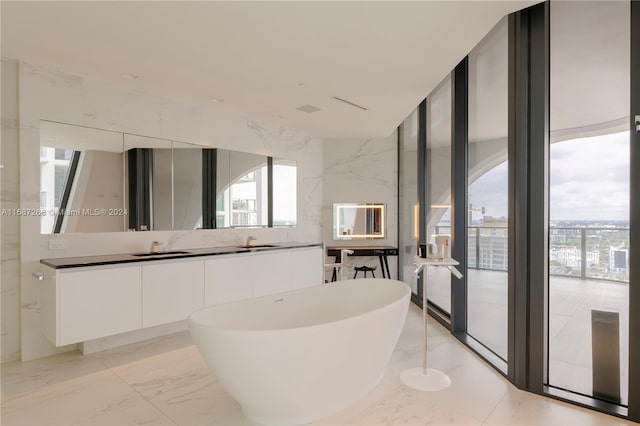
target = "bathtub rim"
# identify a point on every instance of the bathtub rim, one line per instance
(191, 321)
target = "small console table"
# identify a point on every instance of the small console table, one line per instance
(381, 251)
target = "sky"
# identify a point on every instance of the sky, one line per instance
(589, 180)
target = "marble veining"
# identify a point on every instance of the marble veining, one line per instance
(361, 170)
(56, 95)
(165, 381)
(9, 199)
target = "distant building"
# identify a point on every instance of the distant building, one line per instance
(493, 247)
(570, 256)
(494, 250)
(497, 222)
(618, 260)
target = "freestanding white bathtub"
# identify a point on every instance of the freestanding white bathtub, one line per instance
(294, 357)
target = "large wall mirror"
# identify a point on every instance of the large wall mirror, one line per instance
(358, 221)
(103, 181)
(81, 179)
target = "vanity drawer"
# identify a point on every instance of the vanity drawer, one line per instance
(171, 291)
(96, 303)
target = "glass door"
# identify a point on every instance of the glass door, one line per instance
(588, 336)
(408, 226)
(438, 190)
(487, 199)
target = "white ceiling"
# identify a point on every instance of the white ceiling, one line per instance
(263, 57)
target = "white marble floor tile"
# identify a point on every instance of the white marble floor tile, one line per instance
(234, 419)
(144, 350)
(99, 398)
(523, 408)
(165, 381)
(19, 378)
(179, 383)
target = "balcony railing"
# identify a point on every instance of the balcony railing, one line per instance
(600, 253)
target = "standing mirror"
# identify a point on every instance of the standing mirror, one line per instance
(81, 179)
(148, 176)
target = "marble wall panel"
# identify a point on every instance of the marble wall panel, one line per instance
(362, 170)
(58, 96)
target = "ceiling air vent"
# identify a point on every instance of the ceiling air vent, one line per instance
(349, 103)
(308, 109)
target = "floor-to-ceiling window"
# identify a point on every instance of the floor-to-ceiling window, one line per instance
(438, 191)
(408, 209)
(487, 200)
(589, 199)
(542, 200)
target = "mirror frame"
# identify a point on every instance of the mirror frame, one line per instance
(381, 207)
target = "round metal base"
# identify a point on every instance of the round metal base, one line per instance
(433, 381)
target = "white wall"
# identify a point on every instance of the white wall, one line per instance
(362, 170)
(58, 96)
(10, 224)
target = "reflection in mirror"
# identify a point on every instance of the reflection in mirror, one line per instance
(284, 192)
(81, 179)
(218, 212)
(100, 181)
(149, 183)
(352, 221)
(187, 186)
(248, 190)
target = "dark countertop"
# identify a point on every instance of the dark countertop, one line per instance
(112, 259)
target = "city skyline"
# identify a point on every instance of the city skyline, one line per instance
(589, 181)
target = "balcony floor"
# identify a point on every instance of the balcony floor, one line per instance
(571, 301)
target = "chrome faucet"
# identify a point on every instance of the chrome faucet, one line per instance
(155, 246)
(250, 240)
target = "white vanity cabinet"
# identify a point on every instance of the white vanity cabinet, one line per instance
(171, 290)
(86, 303)
(306, 267)
(271, 272)
(227, 279)
(81, 303)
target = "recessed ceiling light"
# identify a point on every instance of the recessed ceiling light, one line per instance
(129, 76)
(216, 100)
(308, 109)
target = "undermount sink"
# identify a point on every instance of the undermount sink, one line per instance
(161, 253)
(258, 246)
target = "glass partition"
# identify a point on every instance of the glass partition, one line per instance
(487, 203)
(589, 191)
(408, 212)
(438, 197)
